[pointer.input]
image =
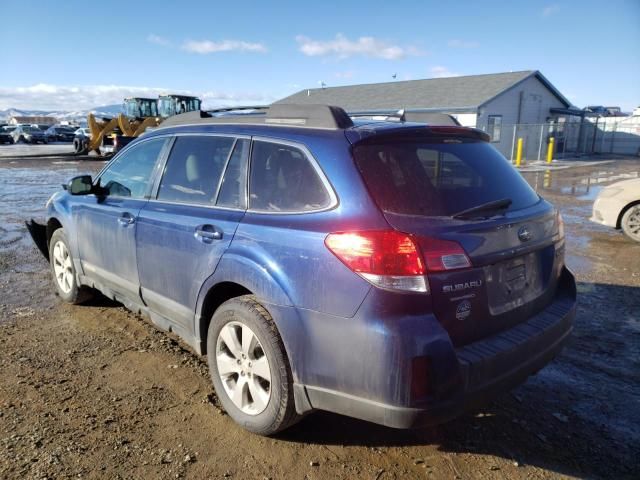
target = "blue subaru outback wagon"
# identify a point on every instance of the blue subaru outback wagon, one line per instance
(394, 271)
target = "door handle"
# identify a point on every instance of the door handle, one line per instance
(126, 219)
(207, 233)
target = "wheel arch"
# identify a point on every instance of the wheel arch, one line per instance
(236, 275)
(53, 224)
(623, 211)
(213, 298)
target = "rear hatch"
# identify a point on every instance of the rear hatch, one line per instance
(449, 189)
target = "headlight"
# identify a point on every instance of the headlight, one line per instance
(610, 192)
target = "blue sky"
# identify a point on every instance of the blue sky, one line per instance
(75, 55)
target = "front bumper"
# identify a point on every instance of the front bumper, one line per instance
(486, 368)
(606, 211)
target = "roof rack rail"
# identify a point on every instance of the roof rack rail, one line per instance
(432, 118)
(397, 115)
(238, 108)
(311, 116)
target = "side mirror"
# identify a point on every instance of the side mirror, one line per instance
(80, 185)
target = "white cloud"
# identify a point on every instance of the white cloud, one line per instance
(344, 75)
(550, 10)
(457, 43)
(207, 46)
(214, 99)
(442, 72)
(73, 98)
(158, 40)
(342, 47)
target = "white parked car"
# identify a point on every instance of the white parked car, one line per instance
(618, 206)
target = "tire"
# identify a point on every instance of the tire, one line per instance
(631, 223)
(63, 270)
(244, 368)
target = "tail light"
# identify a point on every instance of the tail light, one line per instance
(442, 255)
(392, 260)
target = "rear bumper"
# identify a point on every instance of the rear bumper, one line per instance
(486, 368)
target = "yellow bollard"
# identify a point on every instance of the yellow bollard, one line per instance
(519, 152)
(550, 149)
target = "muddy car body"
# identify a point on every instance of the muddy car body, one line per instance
(390, 271)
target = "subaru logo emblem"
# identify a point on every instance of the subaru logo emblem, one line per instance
(524, 234)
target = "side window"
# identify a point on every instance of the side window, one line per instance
(234, 184)
(130, 172)
(194, 169)
(494, 123)
(283, 180)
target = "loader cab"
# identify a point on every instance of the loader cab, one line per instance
(170, 105)
(138, 107)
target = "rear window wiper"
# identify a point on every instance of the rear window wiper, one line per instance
(502, 204)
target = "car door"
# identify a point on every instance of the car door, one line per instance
(184, 231)
(106, 223)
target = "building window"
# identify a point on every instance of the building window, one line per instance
(495, 127)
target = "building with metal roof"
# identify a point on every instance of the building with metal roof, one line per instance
(484, 101)
(33, 120)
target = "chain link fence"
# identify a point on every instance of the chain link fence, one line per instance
(570, 139)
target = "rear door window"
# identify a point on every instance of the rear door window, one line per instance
(284, 180)
(194, 169)
(439, 179)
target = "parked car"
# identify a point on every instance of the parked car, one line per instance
(81, 139)
(28, 134)
(5, 134)
(618, 206)
(396, 272)
(60, 134)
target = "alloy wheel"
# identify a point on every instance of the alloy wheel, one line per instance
(62, 267)
(633, 223)
(243, 368)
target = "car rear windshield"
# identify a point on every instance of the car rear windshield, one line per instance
(440, 178)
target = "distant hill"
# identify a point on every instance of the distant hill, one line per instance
(78, 116)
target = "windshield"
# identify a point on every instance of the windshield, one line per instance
(440, 179)
(9, 129)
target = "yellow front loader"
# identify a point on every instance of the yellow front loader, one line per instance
(108, 135)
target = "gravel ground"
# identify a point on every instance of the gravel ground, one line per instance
(94, 391)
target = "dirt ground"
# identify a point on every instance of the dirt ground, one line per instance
(94, 391)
